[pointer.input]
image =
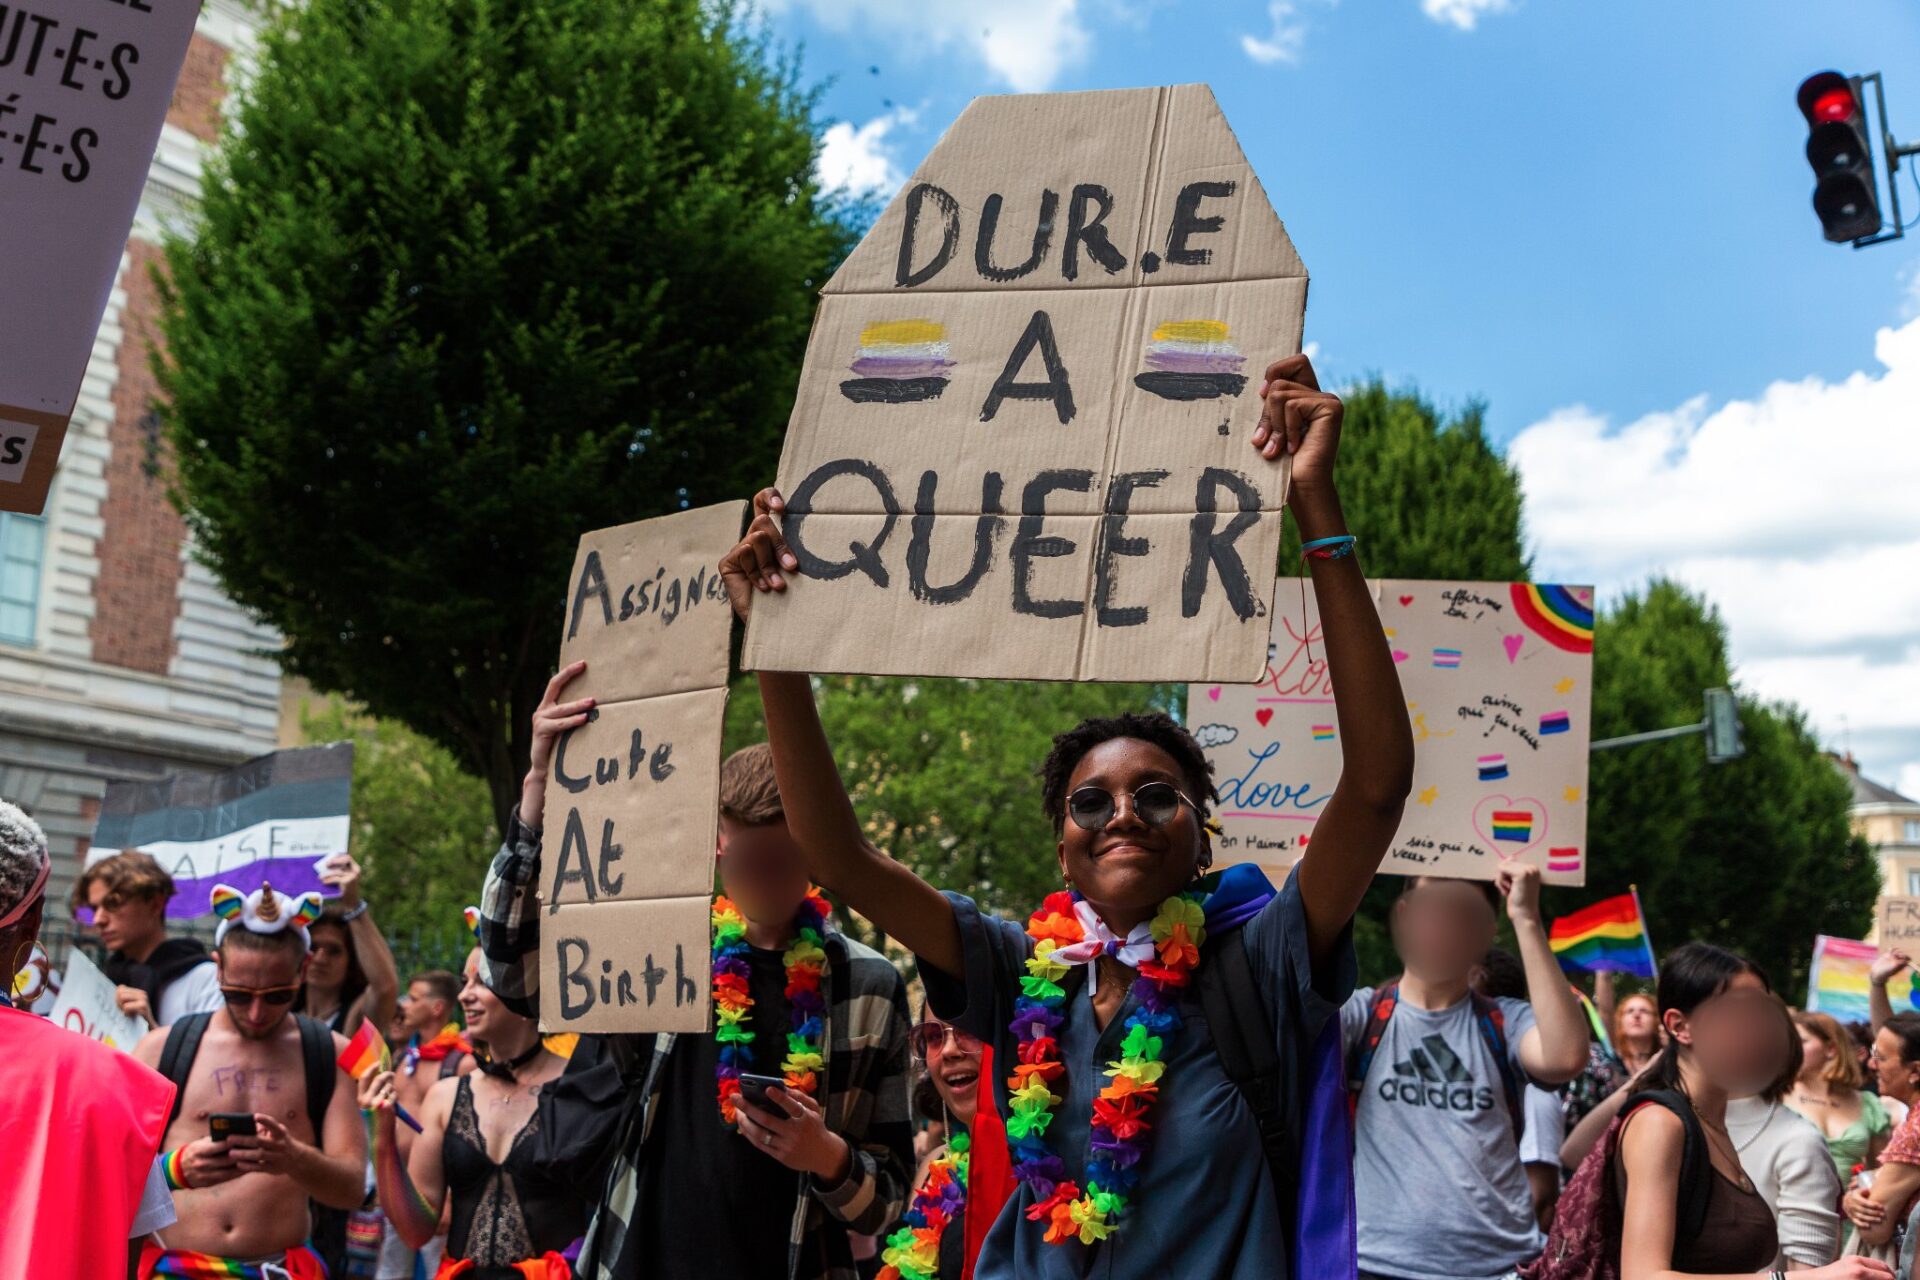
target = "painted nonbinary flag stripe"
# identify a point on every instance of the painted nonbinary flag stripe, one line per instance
(1609, 935)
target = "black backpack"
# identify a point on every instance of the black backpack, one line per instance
(1244, 1037)
(317, 1060)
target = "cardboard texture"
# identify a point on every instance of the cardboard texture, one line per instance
(1020, 443)
(1898, 924)
(82, 101)
(633, 795)
(1498, 681)
(628, 966)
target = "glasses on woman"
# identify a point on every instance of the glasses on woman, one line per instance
(931, 1039)
(1155, 804)
(275, 996)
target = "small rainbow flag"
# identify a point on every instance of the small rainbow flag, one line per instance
(1446, 659)
(1493, 768)
(1554, 722)
(367, 1053)
(1609, 936)
(1513, 824)
(1323, 733)
(1838, 982)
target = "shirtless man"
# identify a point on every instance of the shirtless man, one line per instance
(242, 1201)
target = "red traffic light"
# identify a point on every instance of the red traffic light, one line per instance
(1827, 97)
(1834, 105)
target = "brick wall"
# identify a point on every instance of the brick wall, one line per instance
(137, 593)
(196, 99)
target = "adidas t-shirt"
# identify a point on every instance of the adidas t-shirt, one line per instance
(1437, 1175)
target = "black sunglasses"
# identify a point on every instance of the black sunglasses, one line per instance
(1155, 804)
(273, 996)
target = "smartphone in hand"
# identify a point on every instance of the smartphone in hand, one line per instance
(222, 1125)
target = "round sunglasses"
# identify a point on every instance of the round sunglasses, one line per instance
(1155, 804)
(928, 1038)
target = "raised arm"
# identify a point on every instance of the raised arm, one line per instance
(1554, 1051)
(818, 811)
(413, 1187)
(369, 947)
(1376, 739)
(1886, 966)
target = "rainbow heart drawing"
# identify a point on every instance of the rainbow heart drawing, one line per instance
(1510, 825)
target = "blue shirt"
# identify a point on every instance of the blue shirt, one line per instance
(1205, 1208)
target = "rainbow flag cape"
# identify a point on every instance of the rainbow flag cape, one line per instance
(1610, 935)
(1837, 983)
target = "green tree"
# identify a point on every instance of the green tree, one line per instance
(943, 773)
(422, 831)
(471, 277)
(1756, 854)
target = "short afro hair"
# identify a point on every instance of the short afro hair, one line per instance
(1156, 728)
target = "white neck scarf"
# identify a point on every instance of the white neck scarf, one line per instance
(1102, 941)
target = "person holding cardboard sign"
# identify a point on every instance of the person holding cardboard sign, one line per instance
(1178, 979)
(756, 1149)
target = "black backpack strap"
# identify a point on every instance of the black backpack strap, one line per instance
(1696, 1163)
(319, 1060)
(1243, 1035)
(177, 1055)
(1492, 1023)
(450, 1065)
(1379, 1012)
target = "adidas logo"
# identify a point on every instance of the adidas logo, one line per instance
(1432, 1075)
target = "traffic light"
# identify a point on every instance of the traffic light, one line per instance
(1839, 149)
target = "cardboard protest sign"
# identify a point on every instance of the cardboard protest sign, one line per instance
(1498, 681)
(87, 1005)
(277, 818)
(633, 795)
(1020, 442)
(1898, 924)
(83, 94)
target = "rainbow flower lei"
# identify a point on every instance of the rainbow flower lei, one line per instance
(1119, 1132)
(913, 1252)
(805, 960)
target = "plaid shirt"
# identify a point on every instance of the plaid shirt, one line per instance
(865, 1099)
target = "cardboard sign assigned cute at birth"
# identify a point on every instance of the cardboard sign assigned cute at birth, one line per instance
(84, 89)
(1498, 680)
(626, 873)
(1020, 443)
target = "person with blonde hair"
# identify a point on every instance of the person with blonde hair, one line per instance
(1828, 1092)
(1636, 1030)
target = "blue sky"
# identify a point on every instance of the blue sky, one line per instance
(1593, 217)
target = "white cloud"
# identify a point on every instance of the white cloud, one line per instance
(1286, 36)
(857, 160)
(1464, 14)
(1797, 513)
(1909, 783)
(1025, 43)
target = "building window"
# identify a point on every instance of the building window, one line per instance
(1913, 830)
(1913, 884)
(22, 543)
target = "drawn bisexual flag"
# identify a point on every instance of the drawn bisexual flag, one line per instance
(277, 818)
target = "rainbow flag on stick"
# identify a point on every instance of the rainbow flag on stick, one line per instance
(1610, 935)
(367, 1053)
(1837, 984)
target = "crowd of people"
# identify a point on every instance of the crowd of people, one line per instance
(1165, 1070)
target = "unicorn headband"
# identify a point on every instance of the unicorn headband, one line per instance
(265, 910)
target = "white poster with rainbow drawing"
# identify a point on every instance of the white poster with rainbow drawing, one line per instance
(1498, 680)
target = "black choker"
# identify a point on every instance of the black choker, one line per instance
(504, 1070)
